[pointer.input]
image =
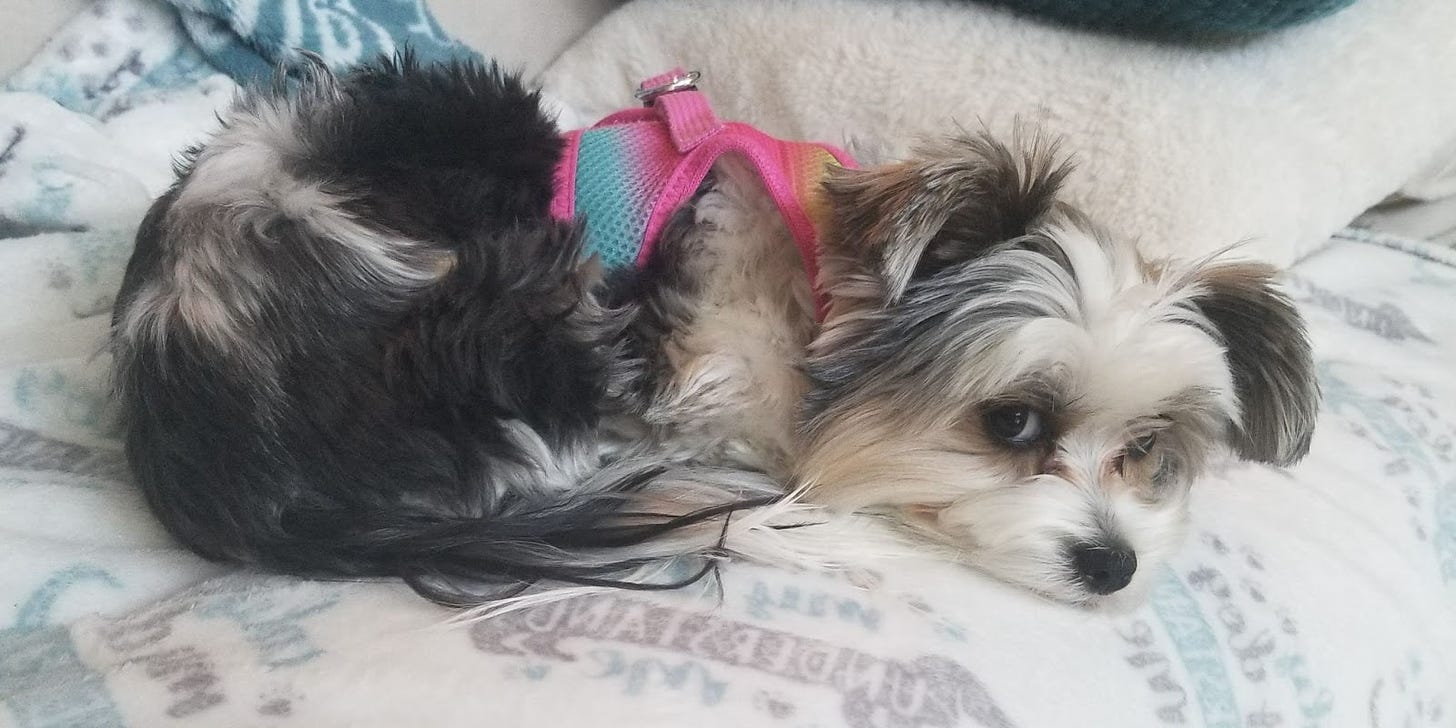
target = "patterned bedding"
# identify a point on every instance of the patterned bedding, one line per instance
(1321, 596)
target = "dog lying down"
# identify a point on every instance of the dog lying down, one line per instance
(385, 325)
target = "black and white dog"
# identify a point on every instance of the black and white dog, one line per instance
(352, 342)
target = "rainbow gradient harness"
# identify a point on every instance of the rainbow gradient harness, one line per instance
(625, 176)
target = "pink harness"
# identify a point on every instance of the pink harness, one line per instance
(625, 176)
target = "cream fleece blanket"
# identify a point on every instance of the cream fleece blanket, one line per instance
(1280, 140)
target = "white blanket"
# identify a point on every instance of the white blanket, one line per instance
(1325, 596)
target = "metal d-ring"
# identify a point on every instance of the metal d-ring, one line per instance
(685, 82)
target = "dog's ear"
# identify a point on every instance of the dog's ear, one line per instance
(908, 220)
(1268, 354)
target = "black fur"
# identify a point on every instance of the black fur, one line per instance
(351, 426)
(1270, 358)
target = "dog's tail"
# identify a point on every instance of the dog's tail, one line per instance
(783, 531)
(637, 524)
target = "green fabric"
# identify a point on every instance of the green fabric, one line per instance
(1180, 19)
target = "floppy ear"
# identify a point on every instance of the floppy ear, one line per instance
(907, 220)
(1268, 353)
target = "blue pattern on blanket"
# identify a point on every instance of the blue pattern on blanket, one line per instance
(248, 39)
(39, 657)
(122, 51)
(113, 55)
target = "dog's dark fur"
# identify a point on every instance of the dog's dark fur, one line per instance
(352, 425)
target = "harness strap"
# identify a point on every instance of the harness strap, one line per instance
(629, 173)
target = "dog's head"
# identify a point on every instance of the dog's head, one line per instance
(1036, 397)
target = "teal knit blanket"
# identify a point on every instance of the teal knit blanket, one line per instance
(1179, 19)
(248, 39)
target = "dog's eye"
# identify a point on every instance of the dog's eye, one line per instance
(1139, 448)
(1018, 425)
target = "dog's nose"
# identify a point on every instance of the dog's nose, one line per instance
(1104, 569)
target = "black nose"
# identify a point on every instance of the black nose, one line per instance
(1104, 569)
